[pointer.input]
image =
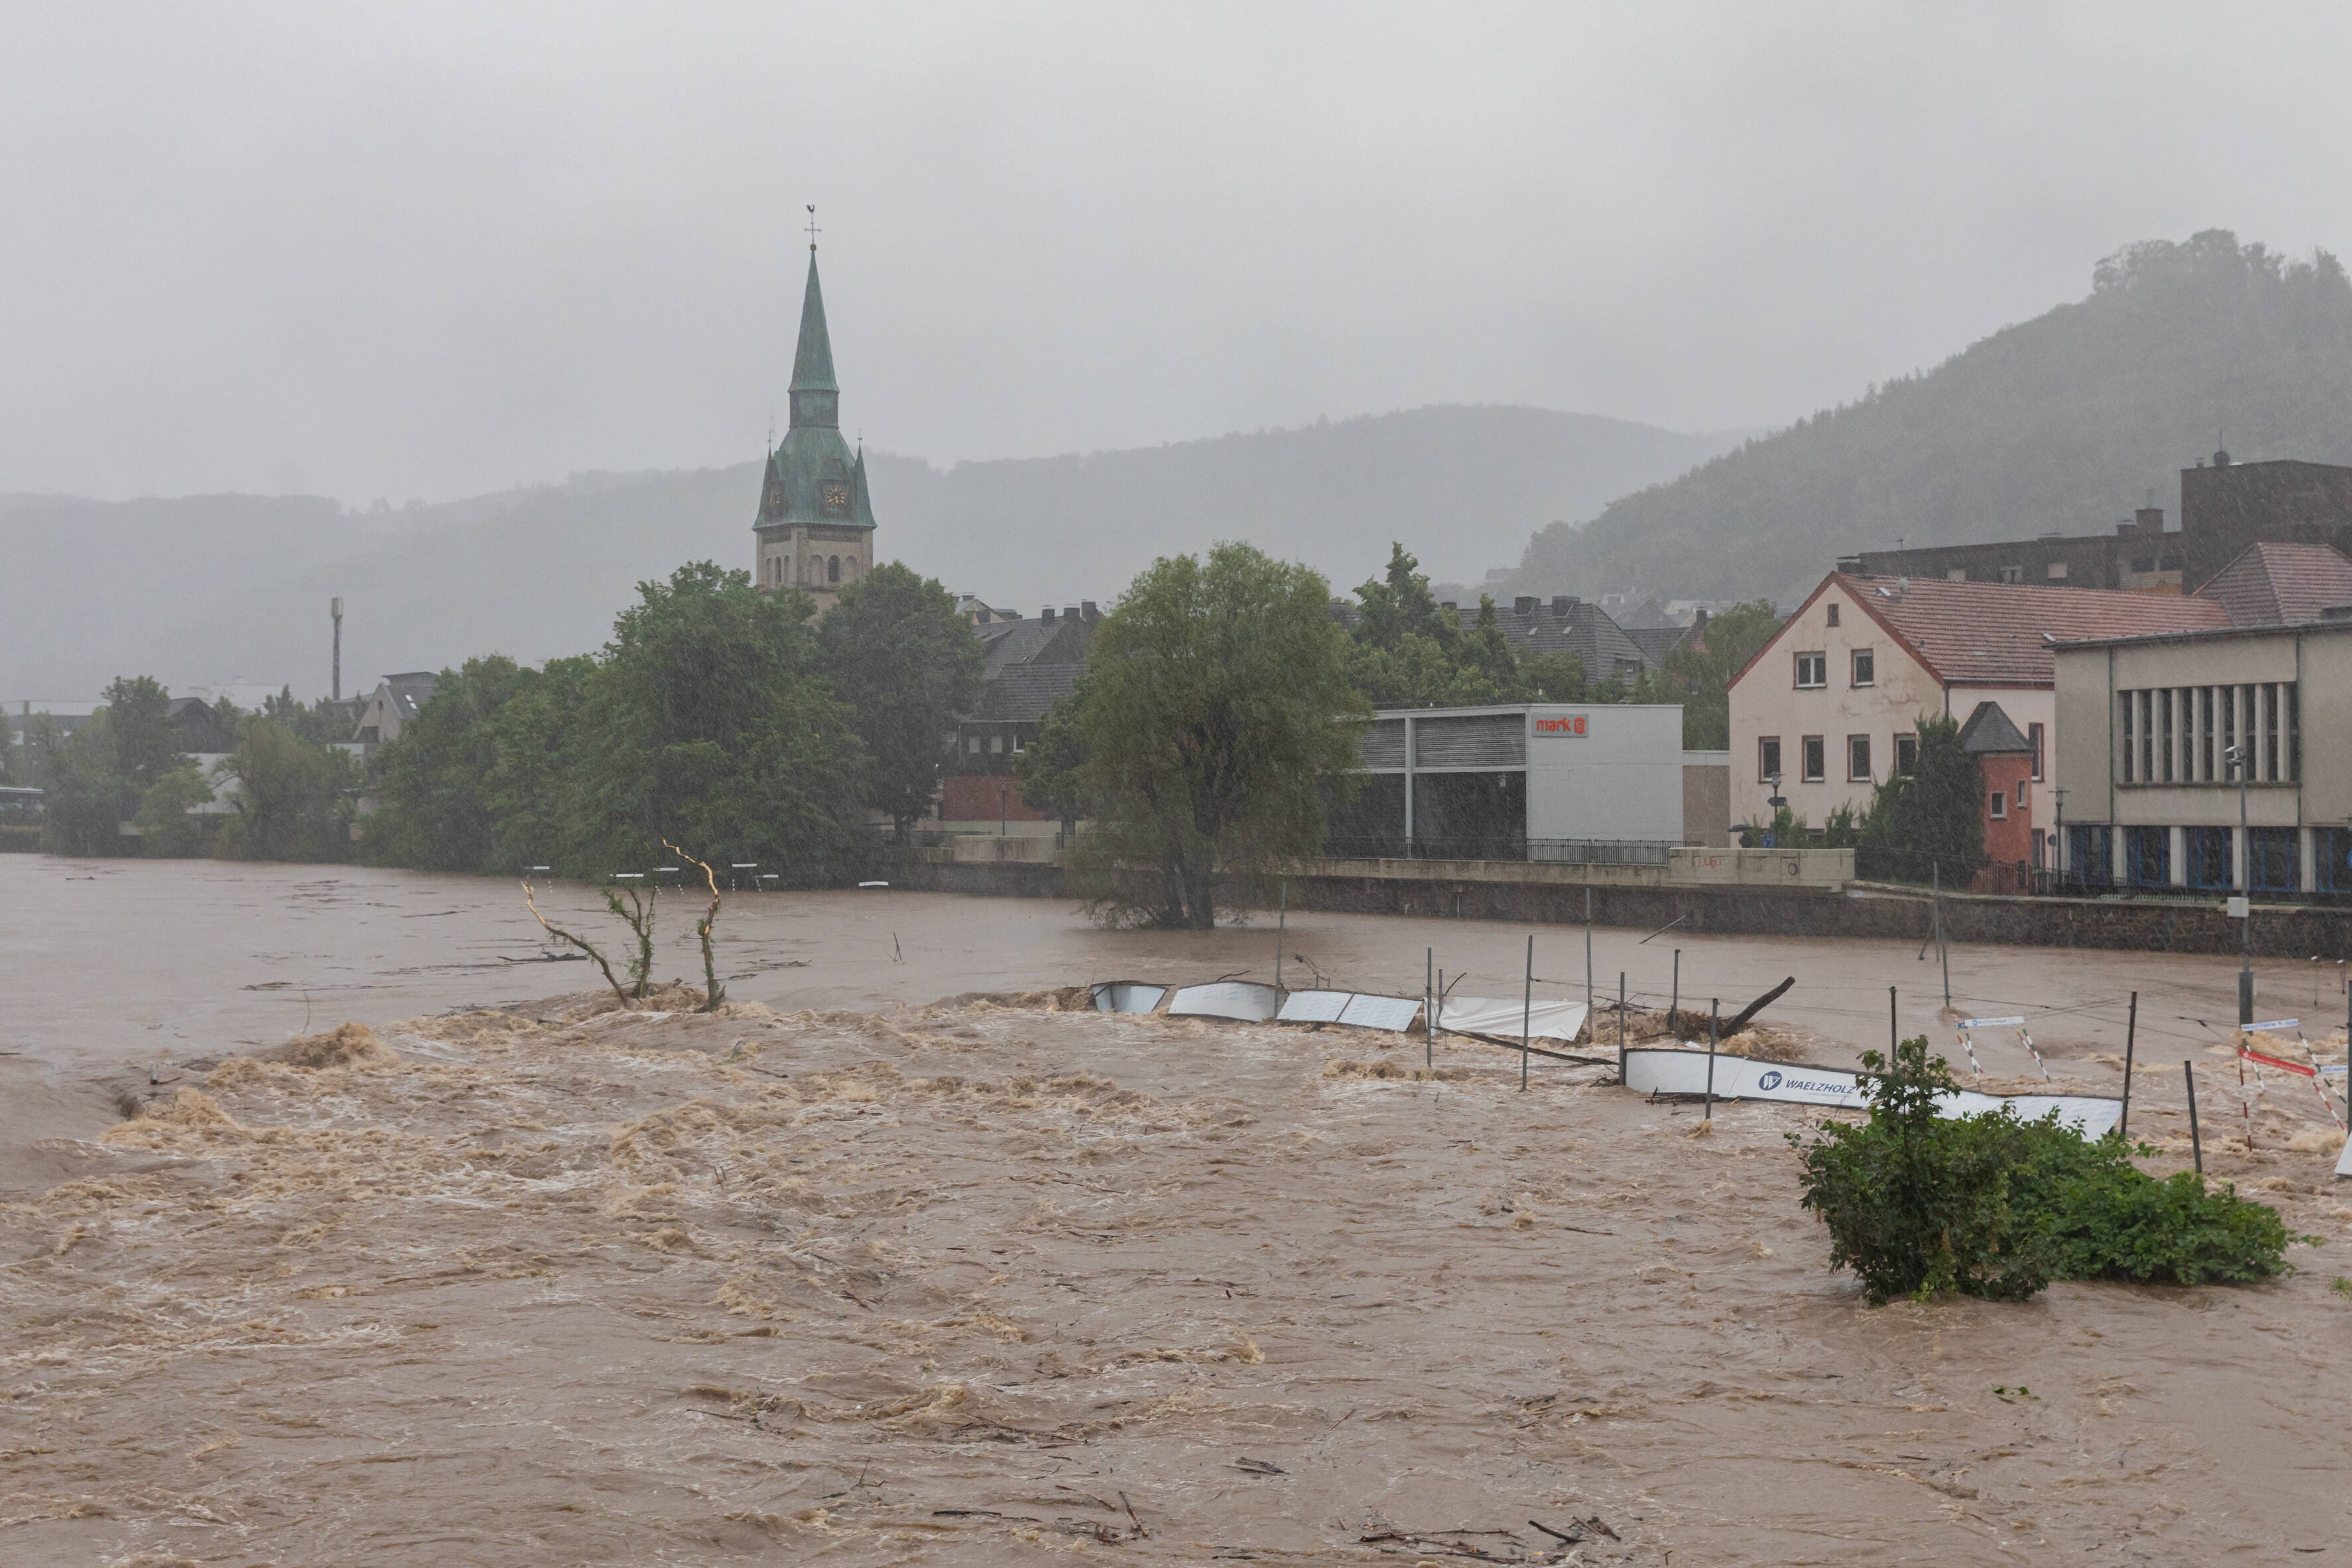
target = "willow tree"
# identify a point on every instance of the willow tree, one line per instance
(1217, 718)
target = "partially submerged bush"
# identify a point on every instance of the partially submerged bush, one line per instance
(1991, 1205)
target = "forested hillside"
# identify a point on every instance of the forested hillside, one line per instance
(214, 588)
(2063, 423)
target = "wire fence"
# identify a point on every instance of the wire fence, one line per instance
(1500, 847)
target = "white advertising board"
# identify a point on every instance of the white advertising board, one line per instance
(1394, 1013)
(1127, 996)
(1314, 1006)
(1666, 1070)
(1243, 1000)
(1546, 1020)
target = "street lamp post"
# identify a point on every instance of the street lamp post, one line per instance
(2058, 841)
(1776, 802)
(2237, 759)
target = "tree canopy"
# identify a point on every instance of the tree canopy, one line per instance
(708, 719)
(98, 776)
(1928, 824)
(908, 666)
(1216, 714)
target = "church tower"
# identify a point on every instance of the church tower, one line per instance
(815, 525)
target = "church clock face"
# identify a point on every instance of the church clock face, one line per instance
(836, 498)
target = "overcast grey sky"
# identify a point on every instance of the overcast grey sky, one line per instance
(425, 249)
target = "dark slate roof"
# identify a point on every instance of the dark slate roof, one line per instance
(1569, 624)
(1022, 692)
(200, 727)
(1657, 642)
(2281, 584)
(411, 691)
(1991, 732)
(1560, 623)
(1999, 634)
(1004, 643)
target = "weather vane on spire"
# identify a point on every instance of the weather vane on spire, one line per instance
(813, 230)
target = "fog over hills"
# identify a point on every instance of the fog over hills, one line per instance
(2062, 422)
(212, 589)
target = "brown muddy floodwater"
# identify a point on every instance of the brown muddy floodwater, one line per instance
(864, 1269)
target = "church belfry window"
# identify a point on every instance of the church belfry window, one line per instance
(833, 569)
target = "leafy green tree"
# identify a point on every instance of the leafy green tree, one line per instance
(1557, 677)
(1700, 677)
(708, 719)
(292, 798)
(908, 666)
(434, 810)
(1052, 769)
(1401, 604)
(1217, 711)
(166, 826)
(323, 723)
(1919, 1203)
(1929, 822)
(98, 776)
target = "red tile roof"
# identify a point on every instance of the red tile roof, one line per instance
(2281, 584)
(1993, 634)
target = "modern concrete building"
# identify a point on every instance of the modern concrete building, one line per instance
(1530, 781)
(2149, 795)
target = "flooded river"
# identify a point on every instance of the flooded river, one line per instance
(866, 1269)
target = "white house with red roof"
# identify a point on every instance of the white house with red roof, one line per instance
(1830, 705)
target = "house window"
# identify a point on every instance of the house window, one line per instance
(1999, 806)
(1833, 613)
(972, 744)
(2012, 573)
(1957, 574)
(1857, 759)
(2128, 710)
(1768, 758)
(996, 745)
(1812, 671)
(2033, 736)
(1866, 667)
(1906, 754)
(1816, 754)
(2057, 571)
(833, 569)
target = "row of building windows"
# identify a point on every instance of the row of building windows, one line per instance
(826, 568)
(1813, 668)
(2184, 734)
(2200, 858)
(1812, 757)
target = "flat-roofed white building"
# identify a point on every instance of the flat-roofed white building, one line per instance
(1531, 781)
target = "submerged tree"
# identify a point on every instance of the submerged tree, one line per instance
(1216, 714)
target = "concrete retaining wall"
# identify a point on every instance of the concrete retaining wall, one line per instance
(1624, 896)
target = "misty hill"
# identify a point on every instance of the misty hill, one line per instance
(2061, 423)
(210, 589)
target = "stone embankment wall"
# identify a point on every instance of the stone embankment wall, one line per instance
(1623, 896)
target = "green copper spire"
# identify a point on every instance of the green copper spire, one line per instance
(813, 364)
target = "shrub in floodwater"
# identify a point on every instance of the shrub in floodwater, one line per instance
(1991, 1206)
